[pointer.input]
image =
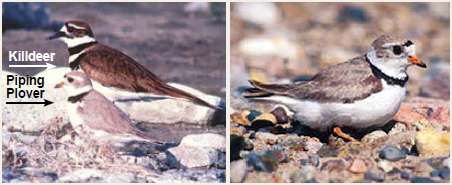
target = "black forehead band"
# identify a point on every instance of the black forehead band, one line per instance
(408, 43)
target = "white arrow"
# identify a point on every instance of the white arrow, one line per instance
(48, 66)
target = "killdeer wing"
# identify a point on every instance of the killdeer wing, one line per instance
(114, 69)
(342, 83)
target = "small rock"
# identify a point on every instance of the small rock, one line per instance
(305, 175)
(444, 174)
(313, 160)
(207, 140)
(446, 162)
(392, 153)
(358, 166)
(293, 140)
(353, 13)
(239, 171)
(253, 114)
(263, 120)
(369, 138)
(313, 146)
(281, 155)
(375, 175)
(434, 173)
(240, 130)
(423, 167)
(280, 115)
(422, 180)
(406, 175)
(434, 111)
(123, 178)
(267, 137)
(191, 157)
(241, 118)
(432, 143)
(332, 165)
(248, 145)
(252, 134)
(384, 165)
(237, 143)
(82, 175)
(266, 161)
(327, 151)
(398, 127)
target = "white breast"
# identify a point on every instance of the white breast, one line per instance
(74, 115)
(377, 109)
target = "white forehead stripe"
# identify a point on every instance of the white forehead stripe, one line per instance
(75, 26)
(390, 44)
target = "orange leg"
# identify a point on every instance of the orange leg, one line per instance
(339, 132)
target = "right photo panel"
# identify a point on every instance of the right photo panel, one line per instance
(340, 92)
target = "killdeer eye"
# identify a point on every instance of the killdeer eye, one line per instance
(397, 49)
(70, 80)
(70, 29)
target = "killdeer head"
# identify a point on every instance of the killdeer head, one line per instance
(74, 33)
(393, 55)
(76, 83)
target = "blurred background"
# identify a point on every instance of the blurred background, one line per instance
(179, 42)
(279, 42)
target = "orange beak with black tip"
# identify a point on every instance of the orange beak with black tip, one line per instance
(61, 84)
(416, 61)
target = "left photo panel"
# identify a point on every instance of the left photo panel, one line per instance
(114, 92)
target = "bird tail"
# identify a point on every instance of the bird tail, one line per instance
(261, 90)
(190, 97)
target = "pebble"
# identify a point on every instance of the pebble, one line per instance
(240, 130)
(305, 175)
(252, 134)
(194, 156)
(206, 140)
(423, 167)
(444, 174)
(263, 120)
(392, 153)
(237, 143)
(281, 156)
(327, 151)
(267, 137)
(266, 161)
(248, 145)
(375, 175)
(433, 143)
(406, 175)
(358, 166)
(422, 180)
(398, 127)
(446, 162)
(371, 137)
(281, 115)
(292, 140)
(313, 160)
(253, 114)
(239, 171)
(241, 118)
(384, 165)
(352, 13)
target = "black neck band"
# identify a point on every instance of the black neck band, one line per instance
(77, 98)
(79, 48)
(389, 80)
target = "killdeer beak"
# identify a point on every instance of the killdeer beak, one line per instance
(416, 61)
(61, 84)
(56, 35)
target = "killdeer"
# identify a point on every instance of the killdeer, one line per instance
(363, 92)
(111, 70)
(91, 114)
